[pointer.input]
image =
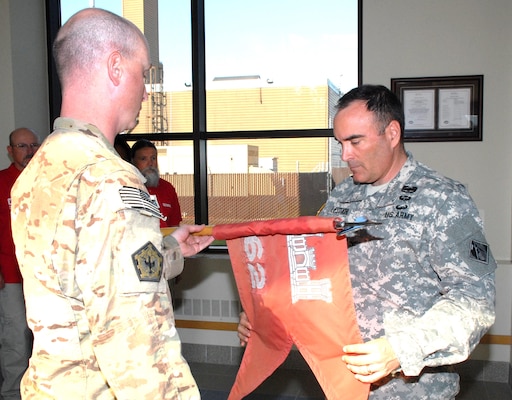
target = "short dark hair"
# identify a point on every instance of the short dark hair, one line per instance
(140, 144)
(385, 105)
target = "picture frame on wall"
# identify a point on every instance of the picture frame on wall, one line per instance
(440, 109)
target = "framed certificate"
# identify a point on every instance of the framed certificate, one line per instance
(441, 108)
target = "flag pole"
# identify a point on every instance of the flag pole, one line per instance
(206, 231)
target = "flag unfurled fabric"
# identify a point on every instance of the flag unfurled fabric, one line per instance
(294, 284)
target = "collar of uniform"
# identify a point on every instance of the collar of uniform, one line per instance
(401, 178)
(407, 169)
(359, 191)
(75, 125)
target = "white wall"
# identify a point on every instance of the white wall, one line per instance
(23, 70)
(6, 82)
(416, 38)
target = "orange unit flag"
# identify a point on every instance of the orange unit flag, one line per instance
(294, 284)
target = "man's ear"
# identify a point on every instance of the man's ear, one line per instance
(114, 65)
(393, 131)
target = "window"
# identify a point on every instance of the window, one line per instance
(241, 98)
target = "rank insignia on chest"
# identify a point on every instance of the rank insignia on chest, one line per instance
(148, 263)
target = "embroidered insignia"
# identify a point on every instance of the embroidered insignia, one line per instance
(409, 189)
(479, 251)
(148, 263)
(138, 199)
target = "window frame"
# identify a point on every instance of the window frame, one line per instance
(199, 135)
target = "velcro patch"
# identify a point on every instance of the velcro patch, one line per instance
(479, 251)
(140, 200)
(148, 263)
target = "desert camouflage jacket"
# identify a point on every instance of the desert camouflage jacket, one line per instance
(424, 278)
(95, 271)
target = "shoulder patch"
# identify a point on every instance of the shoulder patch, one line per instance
(148, 263)
(479, 251)
(138, 199)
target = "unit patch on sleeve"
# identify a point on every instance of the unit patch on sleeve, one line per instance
(479, 251)
(148, 263)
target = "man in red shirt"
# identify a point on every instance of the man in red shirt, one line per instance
(15, 336)
(144, 157)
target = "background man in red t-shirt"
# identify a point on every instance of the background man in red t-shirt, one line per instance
(15, 336)
(145, 158)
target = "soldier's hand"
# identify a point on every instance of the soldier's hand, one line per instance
(244, 329)
(190, 244)
(371, 361)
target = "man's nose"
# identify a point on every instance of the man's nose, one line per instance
(345, 153)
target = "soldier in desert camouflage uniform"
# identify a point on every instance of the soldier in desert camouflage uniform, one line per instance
(87, 234)
(423, 280)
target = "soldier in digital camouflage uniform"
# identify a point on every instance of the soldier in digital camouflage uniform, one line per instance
(423, 281)
(94, 263)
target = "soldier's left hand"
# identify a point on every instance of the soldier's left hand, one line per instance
(371, 361)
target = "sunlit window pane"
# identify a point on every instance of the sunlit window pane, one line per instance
(267, 178)
(271, 65)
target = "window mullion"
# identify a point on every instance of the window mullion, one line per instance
(199, 112)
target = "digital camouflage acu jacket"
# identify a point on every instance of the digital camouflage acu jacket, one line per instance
(424, 278)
